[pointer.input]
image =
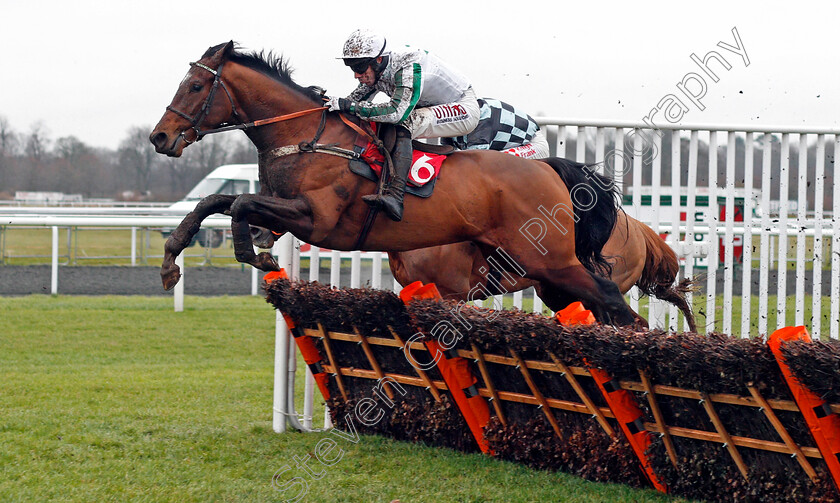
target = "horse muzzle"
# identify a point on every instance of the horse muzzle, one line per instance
(170, 144)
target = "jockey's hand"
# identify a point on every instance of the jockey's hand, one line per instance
(338, 104)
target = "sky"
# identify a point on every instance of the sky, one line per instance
(93, 69)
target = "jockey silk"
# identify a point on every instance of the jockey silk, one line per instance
(412, 78)
(501, 126)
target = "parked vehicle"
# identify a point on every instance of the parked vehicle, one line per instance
(229, 179)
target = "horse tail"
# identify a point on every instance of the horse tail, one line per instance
(660, 274)
(593, 225)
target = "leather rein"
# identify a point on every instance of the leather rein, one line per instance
(311, 146)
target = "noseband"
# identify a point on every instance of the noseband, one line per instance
(199, 117)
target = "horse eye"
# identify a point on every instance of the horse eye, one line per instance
(195, 87)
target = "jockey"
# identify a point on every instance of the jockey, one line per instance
(428, 99)
(505, 128)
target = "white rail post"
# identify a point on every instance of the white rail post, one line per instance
(335, 280)
(713, 238)
(517, 299)
(580, 145)
(561, 141)
(636, 184)
(765, 262)
(834, 319)
(728, 245)
(54, 268)
(376, 271)
(314, 263)
(283, 249)
(133, 246)
(691, 209)
(819, 250)
(802, 208)
(179, 287)
(335, 268)
(538, 304)
(746, 259)
(781, 286)
(309, 381)
(658, 312)
(255, 281)
(355, 269)
(673, 314)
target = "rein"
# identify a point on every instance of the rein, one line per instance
(311, 146)
(199, 117)
(261, 122)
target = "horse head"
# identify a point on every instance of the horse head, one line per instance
(197, 104)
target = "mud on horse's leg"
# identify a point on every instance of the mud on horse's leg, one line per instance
(601, 296)
(269, 212)
(182, 236)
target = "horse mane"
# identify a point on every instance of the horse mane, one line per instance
(272, 65)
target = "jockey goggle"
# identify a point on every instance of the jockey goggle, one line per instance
(359, 65)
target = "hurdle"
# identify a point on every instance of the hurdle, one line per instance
(704, 417)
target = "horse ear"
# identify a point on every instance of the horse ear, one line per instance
(227, 49)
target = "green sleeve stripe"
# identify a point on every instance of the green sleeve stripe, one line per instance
(417, 79)
(397, 110)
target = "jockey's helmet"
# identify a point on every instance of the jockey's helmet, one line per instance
(361, 50)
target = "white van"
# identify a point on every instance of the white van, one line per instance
(231, 179)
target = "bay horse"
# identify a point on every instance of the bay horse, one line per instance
(638, 256)
(306, 188)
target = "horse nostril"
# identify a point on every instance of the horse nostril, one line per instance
(158, 140)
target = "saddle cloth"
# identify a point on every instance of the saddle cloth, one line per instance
(425, 166)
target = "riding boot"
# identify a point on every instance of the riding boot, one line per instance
(391, 198)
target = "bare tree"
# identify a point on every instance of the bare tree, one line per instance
(209, 154)
(137, 156)
(242, 151)
(8, 149)
(37, 142)
(76, 166)
(9, 140)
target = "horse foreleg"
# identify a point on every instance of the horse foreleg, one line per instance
(601, 296)
(182, 236)
(262, 211)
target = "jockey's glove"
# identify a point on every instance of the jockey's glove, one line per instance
(338, 104)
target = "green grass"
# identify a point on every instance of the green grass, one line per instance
(121, 399)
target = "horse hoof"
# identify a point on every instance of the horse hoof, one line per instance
(170, 278)
(265, 262)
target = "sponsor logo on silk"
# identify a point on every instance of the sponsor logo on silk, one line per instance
(449, 113)
(527, 151)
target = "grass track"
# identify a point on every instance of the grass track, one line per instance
(121, 399)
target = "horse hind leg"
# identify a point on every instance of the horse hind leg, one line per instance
(243, 248)
(601, 296)
(254, 210)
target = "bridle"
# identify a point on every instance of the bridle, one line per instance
(199, 117)
(306, 146)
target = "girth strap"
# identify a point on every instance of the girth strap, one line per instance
(318, 148)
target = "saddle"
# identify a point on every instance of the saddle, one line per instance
(371, 160)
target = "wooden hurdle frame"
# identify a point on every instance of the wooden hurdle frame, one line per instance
(492, 398)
